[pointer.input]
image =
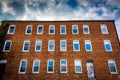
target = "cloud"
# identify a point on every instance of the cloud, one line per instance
(61, 10)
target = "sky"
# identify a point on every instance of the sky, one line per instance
(61, 10)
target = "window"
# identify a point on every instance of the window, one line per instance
(112, 66)
(63, 45)
(88, 45)
(86, 29)
(11, 29)
(28, 29)
(36, 66)
(52, 29)
(78, 66)
(75, 29)
(104, 29)
(107, 45)
(62, 29)
(38, 45)
(40, 29)
(22, 67)
(26, 46)
(7, 46)
(50, 66)
(76, 45)
(63, 66)
(51, 45)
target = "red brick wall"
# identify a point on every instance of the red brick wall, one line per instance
(98, 55)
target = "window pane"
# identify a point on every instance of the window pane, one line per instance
(104, 29)
(63, 63)
(51, 45)
(23, 66)
(29, 29)
(36, 69)
(86, 30)
(75, 29)
(50, 66)
(26, 47)
(63, 45)
(76, 46)
(38, 45)
(78, 69)
(112, 67)
(108, 47)
(11, 29)
(88, 47)
(7, 46)
(52, 29)
(63, 30)
(63, 68)
(40, 29)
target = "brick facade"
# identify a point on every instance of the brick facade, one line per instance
(99, 56)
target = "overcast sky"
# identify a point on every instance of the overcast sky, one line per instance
(61, 10)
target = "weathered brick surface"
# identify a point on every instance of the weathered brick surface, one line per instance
(98, 55)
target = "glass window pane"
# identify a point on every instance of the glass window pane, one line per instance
(38, 45)
(88, 47)
(36, 69)
(112, 67)
(29, 29)
(7, 46)
(78, 69)
(76, 46)
(86, 30)
(63, 68)
(62, 29)
(23, 66)
(40, 29)
(11, 29)
(108, 47)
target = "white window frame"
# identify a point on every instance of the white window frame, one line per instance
(20, 67)
(61, 45)
(104, 26)
(61, 66)
(108, 41)
(34, 66)
(27, 29)
(40, 41)
(73, 28)
(5, 45)
(53, 28)
(78, 65)
(9, 29)
(24, 46)
(53, 45)
(48, 67)
(38, 29)
(89, 43)
(86, 26)
(112, 61)
(61, 29)
(76, 41)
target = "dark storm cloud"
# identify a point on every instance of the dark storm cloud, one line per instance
(18, 7)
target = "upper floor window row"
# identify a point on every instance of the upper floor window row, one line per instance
(51, 45)
(63, 30)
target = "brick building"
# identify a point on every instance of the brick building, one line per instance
(61, 50)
